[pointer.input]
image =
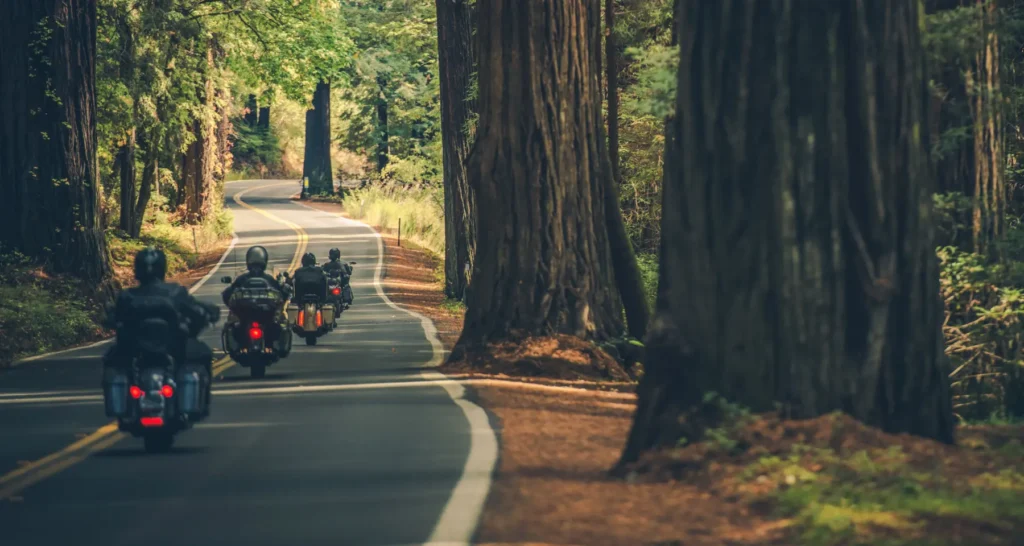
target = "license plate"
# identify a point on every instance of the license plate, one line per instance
(151, 402)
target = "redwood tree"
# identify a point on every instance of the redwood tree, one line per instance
(455, 69)
(316, 164)
(540, 174)
(201, 156)
(48, 174)
(798, 266)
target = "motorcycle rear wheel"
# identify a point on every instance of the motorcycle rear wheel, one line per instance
(158, 441)
(311, 340)
(257, 371)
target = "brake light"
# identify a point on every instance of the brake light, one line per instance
(302, 317)
(336, 291)
(255, 332)
(152, 421)
(319, 319)
(167, 391)
(135, 392)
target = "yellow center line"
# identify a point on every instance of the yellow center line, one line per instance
(106, 436)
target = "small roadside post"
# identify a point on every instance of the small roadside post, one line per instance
(399, 232)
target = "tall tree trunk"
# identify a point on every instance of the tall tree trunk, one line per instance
(628, 278)
(126, 153)
(199, 162)
(612, 64)
(223, 97)
(251, 111)
(383, 132)
(151, 165)
(989, 161)
(49, 182)
(126, 171)
(316, 163)
(264, 119)
(540, 175)
(798, 264)
(455, 68)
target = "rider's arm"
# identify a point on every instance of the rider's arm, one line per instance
(226, 295)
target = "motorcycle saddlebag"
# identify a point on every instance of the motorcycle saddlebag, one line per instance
(328, 313)
(192, 385)
(228, 339)
(293, 313)
(115, 392)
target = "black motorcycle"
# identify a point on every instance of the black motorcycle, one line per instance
(255, 335)
(160, 395)
(339, 292)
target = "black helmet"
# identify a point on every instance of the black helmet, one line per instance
(256, 259)
(334, 254)
(150, 265)
(308, 259)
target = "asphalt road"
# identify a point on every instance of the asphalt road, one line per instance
(351, 442)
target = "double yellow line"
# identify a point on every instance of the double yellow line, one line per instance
(28, 474)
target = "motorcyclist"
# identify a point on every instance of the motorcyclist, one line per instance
(150, 271)
(256, 260)
(337, 268)
(310, 280)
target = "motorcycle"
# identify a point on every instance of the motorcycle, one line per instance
(246, 341)
(158, 397)
(339, 292)
(311, 319)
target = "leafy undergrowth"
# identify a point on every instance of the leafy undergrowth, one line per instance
(41, 312)
(835, 481)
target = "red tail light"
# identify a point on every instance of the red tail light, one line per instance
(152, 421)
(336, 291)
(255, 332)
(302, 318)
(319, 319)
(135, 392)
(167, 391)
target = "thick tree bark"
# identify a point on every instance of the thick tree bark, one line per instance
(316, 164)
(383, 132)
(264, 119)
(49, 183)
(798, 265)
(455, 62)
(251, 111)
(612, 66)
(540, 175)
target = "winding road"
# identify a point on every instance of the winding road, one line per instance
(355, 441)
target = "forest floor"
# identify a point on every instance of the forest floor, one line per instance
(55, 312)
(759, 480)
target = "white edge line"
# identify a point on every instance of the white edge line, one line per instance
(199, 284)
(461, 514)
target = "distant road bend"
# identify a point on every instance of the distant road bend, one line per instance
(341, 444)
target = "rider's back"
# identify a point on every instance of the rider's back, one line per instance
(310, 280)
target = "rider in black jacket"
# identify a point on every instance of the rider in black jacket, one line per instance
(310, 279)
(150, 270)
(338, 268)
(256, 260)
